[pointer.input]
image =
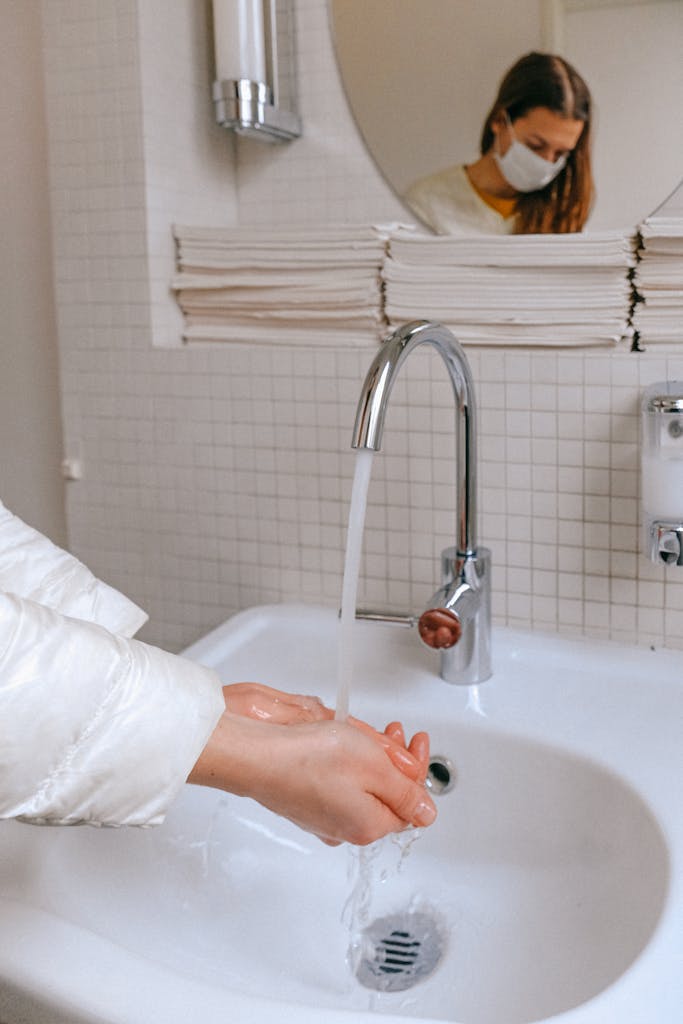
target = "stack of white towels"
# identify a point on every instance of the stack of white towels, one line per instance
(519, 290)
(658, 318)
(314, 285)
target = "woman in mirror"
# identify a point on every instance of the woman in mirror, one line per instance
(534, 173)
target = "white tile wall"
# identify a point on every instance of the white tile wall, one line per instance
(218, 477)
(189, 161)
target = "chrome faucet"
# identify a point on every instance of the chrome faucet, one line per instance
(458, 619)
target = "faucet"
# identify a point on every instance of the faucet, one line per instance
(457, 621)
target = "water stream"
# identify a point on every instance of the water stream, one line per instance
(354, 544)
(355, 913)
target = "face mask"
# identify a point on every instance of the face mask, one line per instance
(525, 170)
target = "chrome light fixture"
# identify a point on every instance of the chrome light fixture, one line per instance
(254, 92)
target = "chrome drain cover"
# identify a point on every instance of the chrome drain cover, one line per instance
(398, 951)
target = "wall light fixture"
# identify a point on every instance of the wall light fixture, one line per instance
(254, 92)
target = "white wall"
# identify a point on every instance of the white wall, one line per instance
(30, 427)
(218, 477)
(650, 58)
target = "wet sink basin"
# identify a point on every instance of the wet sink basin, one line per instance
(549, 888)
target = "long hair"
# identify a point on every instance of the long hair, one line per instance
(546, 80)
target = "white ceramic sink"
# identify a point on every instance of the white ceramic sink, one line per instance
(553, 872)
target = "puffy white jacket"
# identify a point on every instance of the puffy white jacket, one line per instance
(94, 726)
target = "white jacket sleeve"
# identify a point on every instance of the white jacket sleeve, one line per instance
(35, 568)
(94, 727)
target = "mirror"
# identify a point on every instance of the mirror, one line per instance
(421, 75)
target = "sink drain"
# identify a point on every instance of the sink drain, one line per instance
(441, 775)
(398, 951)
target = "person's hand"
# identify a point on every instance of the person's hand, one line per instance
(255, 700)
(418, 747)
(331, 778)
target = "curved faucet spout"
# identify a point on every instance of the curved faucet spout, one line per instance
(458, 619)
(374, 399)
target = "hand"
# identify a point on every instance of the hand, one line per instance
(418, 747)
(255, 700)
(331, 778)
(269, 705)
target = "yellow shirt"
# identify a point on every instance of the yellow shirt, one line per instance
(501, 204)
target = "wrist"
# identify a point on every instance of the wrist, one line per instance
(225, 761)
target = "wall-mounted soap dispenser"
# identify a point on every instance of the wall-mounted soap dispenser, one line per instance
(662, 471)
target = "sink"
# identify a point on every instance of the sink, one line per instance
(552, 877)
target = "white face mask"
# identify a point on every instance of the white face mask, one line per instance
(525, 170)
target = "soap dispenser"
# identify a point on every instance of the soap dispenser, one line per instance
(662, 471)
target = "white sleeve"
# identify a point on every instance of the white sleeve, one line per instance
(94, 727)
(31, 566)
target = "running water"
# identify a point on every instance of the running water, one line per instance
(354, 543)
(357, 906)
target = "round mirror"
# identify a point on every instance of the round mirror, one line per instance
(421, 76)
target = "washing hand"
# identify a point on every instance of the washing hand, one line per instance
(269, 705)
(342, 781)
(255, 700)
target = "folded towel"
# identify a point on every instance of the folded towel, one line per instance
(528, 290)
(317, 285)
(350, 284)
(658, 315)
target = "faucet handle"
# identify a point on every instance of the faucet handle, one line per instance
(455, 604)
(439, 628)
(458, 617)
